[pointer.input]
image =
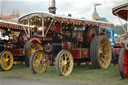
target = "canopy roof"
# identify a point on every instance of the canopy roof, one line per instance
(121, 11)
(12, 25)
(67, 19)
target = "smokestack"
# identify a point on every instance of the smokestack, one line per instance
(52, 7)
(70, 15)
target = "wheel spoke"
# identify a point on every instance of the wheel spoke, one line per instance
(64, 69)
(40, 68)
(66, 57)
(35, 47)
(67, 67)
(105, 43)
(103, 60)
(68, 61)
(32, 50)
(106, 56)
(35, 64)
(105, 49)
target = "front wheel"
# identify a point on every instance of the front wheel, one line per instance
(6, 60)
(64, 63)
(38, 62)
(123, 63)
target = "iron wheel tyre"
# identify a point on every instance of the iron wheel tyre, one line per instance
(100, 52)
(64, 63)
(6, 60)
(26, 46)
(38, 62)
(123, 63)
(29, 49)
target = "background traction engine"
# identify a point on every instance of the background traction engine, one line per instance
(11, 51)
(16, 44)
(121, 11)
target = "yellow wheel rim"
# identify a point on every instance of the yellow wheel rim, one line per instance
(104, 53)
(6, 60)
(40, 62)
(33, 48)
(66, 63)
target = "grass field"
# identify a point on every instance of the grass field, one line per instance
(83, 73)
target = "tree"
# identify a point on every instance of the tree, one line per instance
(119, 30)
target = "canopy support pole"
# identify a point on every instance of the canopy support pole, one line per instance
(121, 24)
(42, 27)
(49, 27)
(28, 28)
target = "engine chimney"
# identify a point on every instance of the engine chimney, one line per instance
(52, 7)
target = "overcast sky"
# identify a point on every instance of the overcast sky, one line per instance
(78, 8)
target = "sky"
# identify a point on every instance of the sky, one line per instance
(78, 8)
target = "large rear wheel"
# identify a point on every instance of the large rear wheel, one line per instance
(30, 48)
(64, 63)
(38, 62)
(100, 52)
(123, 63)
(6, 60)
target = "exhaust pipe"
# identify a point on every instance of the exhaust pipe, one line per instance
(52, 7)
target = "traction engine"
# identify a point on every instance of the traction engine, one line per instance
(65, 41)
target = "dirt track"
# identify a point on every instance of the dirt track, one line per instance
(21, 81)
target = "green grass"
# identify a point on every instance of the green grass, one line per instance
(83, 73)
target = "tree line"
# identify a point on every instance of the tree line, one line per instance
(119, 29)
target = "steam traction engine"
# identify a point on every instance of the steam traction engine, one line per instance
(122, 12)
(65, 41)
(12, 40)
